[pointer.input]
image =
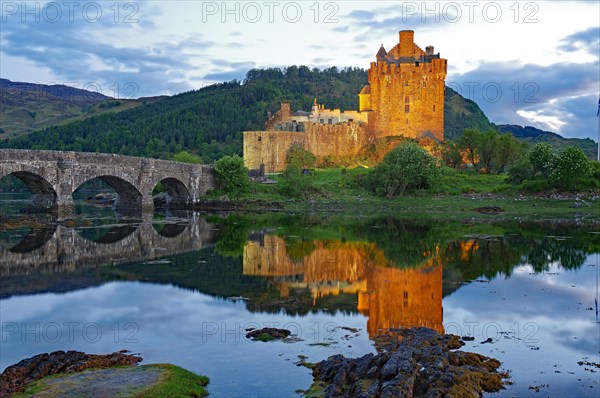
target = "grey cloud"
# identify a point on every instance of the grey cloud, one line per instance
(563, 90)
(233, 70)
(588, 40)
(71, 51)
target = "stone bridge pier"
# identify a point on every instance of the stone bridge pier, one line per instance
(53, 176)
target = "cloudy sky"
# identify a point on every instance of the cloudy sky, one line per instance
(524, 62)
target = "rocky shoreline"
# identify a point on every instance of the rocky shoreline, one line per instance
(417, 362)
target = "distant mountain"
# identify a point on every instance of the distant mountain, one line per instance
(26, 107)
(534, 135)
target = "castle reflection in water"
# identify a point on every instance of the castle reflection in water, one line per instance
(391, 296)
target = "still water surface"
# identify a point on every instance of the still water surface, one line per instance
(183, 288)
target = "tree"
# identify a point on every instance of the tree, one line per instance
(468, 143)
(542, 158)
(232, 176)
(408, 166)
(509, 152)
(451, 154)
(186, 157)
(486, 146)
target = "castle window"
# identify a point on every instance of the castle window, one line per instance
(259, 138)
(406, 108)
(406, 100)
(417, 63)
(322, 120)
(434, 108)
(424, 84)
(330, 121)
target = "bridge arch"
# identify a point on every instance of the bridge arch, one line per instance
(128, 195)
(176, 193)
(43, 193)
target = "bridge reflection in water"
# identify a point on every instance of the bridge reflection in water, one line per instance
(61, 249)
(391, 297)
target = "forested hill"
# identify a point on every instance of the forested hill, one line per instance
(533, 135)
(28, 107)
(210, 121)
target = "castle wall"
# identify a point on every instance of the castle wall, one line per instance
(269, 148)
(338, 140)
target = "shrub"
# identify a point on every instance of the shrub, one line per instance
(542, 158)
(296, 184)
(408, 166)
(521, 171)
(298, 157)
(570, 167)
(232, 176)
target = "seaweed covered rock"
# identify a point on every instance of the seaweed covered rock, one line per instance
(417, 362)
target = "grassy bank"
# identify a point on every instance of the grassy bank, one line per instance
(458, 195)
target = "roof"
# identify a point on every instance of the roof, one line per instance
(301, 113)
(381, 53)
(365, 90)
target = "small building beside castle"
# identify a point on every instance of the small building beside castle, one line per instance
(404, 98)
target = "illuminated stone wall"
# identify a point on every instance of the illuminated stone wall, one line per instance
(269, 148)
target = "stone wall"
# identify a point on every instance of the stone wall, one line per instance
(269, 148)
(337, 140)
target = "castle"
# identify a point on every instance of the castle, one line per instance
(404, 98)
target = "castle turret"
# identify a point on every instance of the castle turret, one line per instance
(381, 54)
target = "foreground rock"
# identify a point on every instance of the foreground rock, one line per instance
(268, 334)
(16, 377)
(411, 363)
(76, 374)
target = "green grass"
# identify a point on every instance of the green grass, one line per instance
(177, 383)
(456, 196)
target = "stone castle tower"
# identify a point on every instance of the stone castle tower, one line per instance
(405, 94)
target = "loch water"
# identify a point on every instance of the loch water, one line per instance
(183, 288)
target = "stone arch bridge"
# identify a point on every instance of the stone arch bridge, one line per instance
(53, 176)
